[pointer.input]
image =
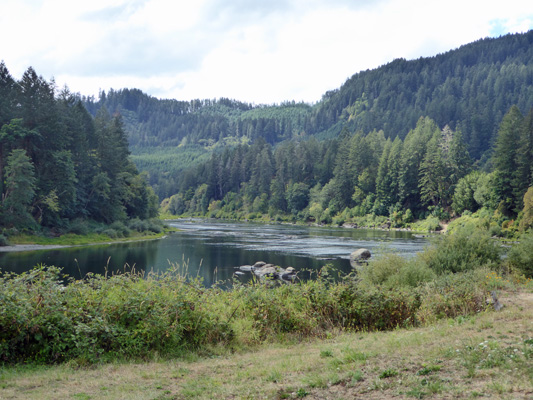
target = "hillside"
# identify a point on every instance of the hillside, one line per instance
(469, 89)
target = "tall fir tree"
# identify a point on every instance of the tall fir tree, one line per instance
(505, 160)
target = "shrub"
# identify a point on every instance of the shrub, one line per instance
(462, 250)
(151, 225)
(103, 318)
(113, 234)
(430, 224)
(394, 270)
(79, 227)
(521, 255)
(3, 240)
(121, 229)
(451, 295)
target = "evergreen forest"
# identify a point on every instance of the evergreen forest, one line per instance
(59, 165)
(435, 136)
(397, 141)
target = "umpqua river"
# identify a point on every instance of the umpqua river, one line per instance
(211, 249)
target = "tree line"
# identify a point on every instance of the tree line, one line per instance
(469, 89)
(58, 163)
(429, 171)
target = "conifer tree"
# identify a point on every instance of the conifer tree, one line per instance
(19, 190)
(505, 159)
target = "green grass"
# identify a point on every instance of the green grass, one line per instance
(71, 239)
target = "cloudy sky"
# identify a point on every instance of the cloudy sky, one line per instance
(259, 51)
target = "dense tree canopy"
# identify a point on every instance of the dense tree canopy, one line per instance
(58, 163)
(469, 89)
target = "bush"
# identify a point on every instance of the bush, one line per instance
(146, 225)
(121, 229)
(113, 234)
(393, 270)
(79, 227)
(430, 224)
(462, 250)
(3, 240)
(452, 295)
(521, 255)
(98, 318)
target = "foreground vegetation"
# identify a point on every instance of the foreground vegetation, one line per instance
(486, 355)
(134, 315)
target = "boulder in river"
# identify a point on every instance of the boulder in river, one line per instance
(359, 256)
(269, 272)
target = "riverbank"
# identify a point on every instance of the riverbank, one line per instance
(429, 225)
(486, 355)
(34, 242)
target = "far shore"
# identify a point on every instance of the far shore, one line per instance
(34, 247)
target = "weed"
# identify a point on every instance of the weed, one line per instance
(326, 353)
(388, 373)
(351, 356)
(429, 370)
(274, 376)
(355, 376)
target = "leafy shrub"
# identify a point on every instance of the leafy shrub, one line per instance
(462, 250)
(79, 227)
(121, 229)
(430, 224)
(393, 270)
(146, 225)
(3, 240)
(101, 318)
(452, 295)
(521, 255)
(113, 234)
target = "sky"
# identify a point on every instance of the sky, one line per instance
(257, 51)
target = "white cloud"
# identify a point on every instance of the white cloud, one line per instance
(251, 50)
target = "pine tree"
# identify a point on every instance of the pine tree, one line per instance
(19, 190)
(523, 176)
(505, 159)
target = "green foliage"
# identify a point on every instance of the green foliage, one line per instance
(98, 319)
(463, 197)
(452, 295)
(430, 224)
(526, 221)
(505, 160)
(462, 250)
(4, 240)
(48, 318)
(19, 190)
(521, 255)
(394, 270)
(58, 164)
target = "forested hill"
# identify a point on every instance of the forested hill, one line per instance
(469, 88)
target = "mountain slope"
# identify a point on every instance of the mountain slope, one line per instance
(469, 88)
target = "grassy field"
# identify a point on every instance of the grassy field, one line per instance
(487, 355)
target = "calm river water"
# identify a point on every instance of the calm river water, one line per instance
(212, 250)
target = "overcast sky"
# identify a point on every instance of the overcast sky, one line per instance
(259, 51)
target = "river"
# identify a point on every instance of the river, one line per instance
(212, 249)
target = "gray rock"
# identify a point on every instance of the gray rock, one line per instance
(495, 302)
(359, 256)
